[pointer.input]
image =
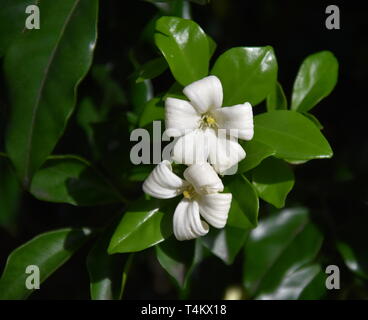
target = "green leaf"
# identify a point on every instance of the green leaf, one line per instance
(185, 47)
(105, 271)
(153, 110)
(355, 260)
(317, 76)
(278, 248)
(151, 69)
(12, 21)
(145, 224)
(48, 251)
(273, 180)
(294, 284)
(244, 205)
(212, 45)
(255, 153)
(179, 258)
(70, 179)
(312, 118)
(291, 135)
(10, 196)
(276, 100)
(225, 243)
(43, 69)
(247, 74)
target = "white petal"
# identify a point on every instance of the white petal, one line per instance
(239, 117)
(187, 221)
(203, 178)
(191, 148)
(180, 116)
(215, 208)
(205, 94)
(162, 183)
(223, 152)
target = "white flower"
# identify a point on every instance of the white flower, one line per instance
(199, 121)
(200, 189)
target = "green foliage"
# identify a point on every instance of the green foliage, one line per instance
(43, 69)
(247, 74)
(42, 96)
(185, 47)
(291, 135)
(48, 251)
(280, 254)
(316, 79)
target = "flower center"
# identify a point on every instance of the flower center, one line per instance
(189, 192)
(208, 121)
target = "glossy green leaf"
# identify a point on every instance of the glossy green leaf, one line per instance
(12, 21)
(141, 93)
(151, 69)
(47, 251)
(295, 283)
(212, 45)
(276, 100)
(291, 135)
(279, 247)
(255, 153)
(244, 204)
(246, 74)
(70, 179)
(273, 180)
(105, 271)
(153, 110)
(316, 79)
(185, 47)
(145, 224)
(355, 260)
(42, 96)
(10, 196)
(179, 258)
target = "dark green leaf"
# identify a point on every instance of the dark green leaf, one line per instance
(244, 205)
(316, 79)
(279, 247)
(145, 224)
(179, 258)
(12, 21)
(273, 180)
(185, 47)
(105, 271)
(247, 74)
(43, 68)
(276, 100)
(153, 110)
(255, 153)
(355, 260)
(48, 251)
(151, 69)
(225, 243)
(70, 179)
(291, 135)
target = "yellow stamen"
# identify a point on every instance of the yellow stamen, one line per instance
(186, 194)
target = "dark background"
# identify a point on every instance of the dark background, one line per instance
(335, 190)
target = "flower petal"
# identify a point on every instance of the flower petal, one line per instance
(187, 222)
(203, 178)
(180, 116)
(224, 152)
(239, 117)
(162, 183)
(191, 148)
(205, 94)
(214, 208)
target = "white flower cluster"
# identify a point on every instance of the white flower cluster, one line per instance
(206, 143)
